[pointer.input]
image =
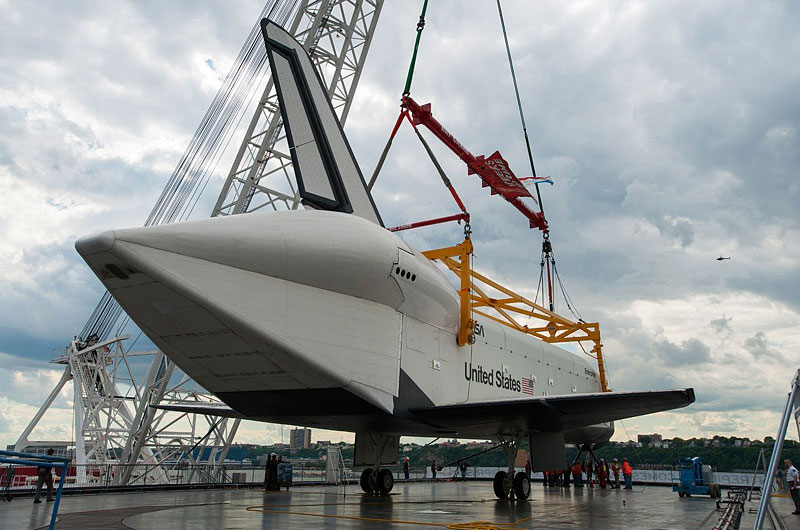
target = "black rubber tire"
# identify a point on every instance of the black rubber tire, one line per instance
(681, 494)
(500, 485)
(522, 486)
(365, 476)
(385, 481)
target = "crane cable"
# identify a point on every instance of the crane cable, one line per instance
(420, 27)
(519, 105)
(406, 92)
(404, 113)
(548, 255)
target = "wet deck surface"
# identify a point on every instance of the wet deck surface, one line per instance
(410, 505)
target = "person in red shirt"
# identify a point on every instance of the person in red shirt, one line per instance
(627, 473)
(576, 474)
(602, 473)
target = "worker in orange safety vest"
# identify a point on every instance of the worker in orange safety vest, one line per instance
(627, 473)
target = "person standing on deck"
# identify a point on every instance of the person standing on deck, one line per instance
(268, 472)
(45, 477)
(793, 481)
(602, 473)
(615, 471)
(275, 472)
(588, 467)
(627, 473)
(405, 467)
(576, 474)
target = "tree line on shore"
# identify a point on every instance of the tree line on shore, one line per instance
(723, 457)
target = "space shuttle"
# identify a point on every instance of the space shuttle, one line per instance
(324, 318)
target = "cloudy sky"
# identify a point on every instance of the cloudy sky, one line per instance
(672, 131)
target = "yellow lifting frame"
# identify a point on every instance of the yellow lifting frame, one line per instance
(463, 270)
(554, 328)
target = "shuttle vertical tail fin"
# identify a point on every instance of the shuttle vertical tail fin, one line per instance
(327, 173)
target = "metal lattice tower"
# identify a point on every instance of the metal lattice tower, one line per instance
(114, 422)
(118, 425)
(337, 35)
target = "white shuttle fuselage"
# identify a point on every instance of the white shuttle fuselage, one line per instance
(309, 316)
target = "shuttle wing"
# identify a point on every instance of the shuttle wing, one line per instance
(552, 413)
(328, 176)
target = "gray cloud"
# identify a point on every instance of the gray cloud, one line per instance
(714, 425)
(666, 144)
(722, 324)
(691, 351)
(29, 382)
(759, 347)
(655, 347)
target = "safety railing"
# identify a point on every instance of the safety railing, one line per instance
(107, 476)
(46, 467)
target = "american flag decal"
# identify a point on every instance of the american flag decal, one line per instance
(527, 386)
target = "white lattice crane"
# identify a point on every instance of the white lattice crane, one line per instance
(114, 420)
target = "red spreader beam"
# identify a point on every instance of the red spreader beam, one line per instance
(493, 170)
(457, 217)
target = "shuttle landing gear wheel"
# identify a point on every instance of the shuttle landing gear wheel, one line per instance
(374, 480)
(522, 486)
(506, 482)
(380, 483)
(502, 485)
(385, 481)
(366, 475)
